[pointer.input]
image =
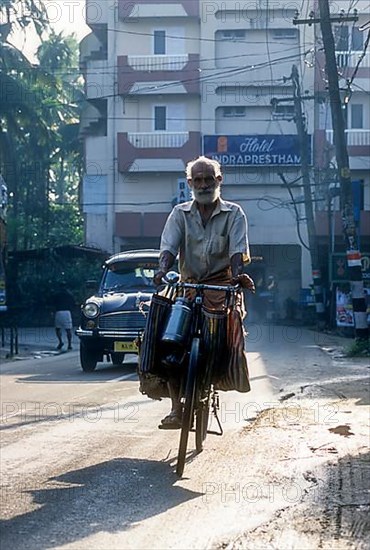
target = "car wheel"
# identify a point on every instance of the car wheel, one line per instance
(88, 358)
(117, 358)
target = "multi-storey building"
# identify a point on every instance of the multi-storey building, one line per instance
(168, 80)
(353, 62)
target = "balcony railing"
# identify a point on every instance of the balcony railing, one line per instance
(157, 140)
(169, 151)
(355, 137)
(181, 68)
(158, 62)
(350, 59)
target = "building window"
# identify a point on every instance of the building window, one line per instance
(357, 39)
(347, 39)
(159, 42)
(283, 112)
(160, 118)
(341, 34)
(357, 115)
(285, 34)
(232, 112)
(233, 35)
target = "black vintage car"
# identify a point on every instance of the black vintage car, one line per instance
(113, 318)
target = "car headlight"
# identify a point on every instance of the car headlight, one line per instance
(90, 310)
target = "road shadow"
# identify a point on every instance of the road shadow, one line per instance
(344, 501)
(337, 508)
(108, 497)
(52, 373)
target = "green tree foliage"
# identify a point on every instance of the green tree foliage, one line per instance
(40, 154)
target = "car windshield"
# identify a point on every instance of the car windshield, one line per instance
(129, 276)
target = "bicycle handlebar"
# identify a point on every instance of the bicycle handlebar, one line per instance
(197, 286)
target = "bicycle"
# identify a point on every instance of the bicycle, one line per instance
(198, 394)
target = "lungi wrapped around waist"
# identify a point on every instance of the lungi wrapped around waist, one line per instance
(224, 335)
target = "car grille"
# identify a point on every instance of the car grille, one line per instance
(127, 320)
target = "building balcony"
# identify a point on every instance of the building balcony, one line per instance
(158, 62)
(358, 141)
(92, 48)
(350, 59)
(93, 120)
(157, 140)
(347, 63)
(152, 151)
(182, 69)
(157, 8)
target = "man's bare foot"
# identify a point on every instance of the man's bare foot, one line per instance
(172, 421)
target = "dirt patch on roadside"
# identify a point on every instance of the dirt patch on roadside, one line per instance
(333, 515)
(319, 452)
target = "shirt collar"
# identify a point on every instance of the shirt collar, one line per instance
(190, 206)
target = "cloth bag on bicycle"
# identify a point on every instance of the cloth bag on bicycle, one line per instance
(236, 375)
(226, 339)
(153, 382)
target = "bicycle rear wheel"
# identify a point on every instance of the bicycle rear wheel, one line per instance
(201, 424)
(188, 412)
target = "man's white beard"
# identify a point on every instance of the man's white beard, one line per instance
(206, 197)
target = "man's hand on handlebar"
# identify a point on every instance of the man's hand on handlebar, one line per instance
(166, 261)
(157, 279)
(244, 281)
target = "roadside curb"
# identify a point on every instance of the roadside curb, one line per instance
(32, 342)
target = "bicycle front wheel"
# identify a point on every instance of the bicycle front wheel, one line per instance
(188, 412)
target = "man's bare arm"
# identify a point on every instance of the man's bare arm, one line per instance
(166, 261)
(237, 264)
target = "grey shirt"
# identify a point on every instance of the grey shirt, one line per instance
(207, 250)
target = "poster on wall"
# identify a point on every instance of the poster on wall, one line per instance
(344, 310)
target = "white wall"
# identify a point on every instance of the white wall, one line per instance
(152, 192)
(138, 115)
(142, 43)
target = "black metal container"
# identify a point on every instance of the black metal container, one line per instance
(179, 322)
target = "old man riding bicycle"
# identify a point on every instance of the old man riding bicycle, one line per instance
(210, 236)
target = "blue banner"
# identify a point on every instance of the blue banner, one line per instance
(262, 150)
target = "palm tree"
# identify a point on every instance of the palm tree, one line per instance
(39, 114)
(19, 117)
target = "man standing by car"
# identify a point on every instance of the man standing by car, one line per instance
(210, 235)
(64, 304)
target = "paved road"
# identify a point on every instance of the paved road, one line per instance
(85, 467)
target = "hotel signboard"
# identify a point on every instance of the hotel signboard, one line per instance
(255, 150)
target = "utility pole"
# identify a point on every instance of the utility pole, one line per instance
(307, 191)
(344, 174)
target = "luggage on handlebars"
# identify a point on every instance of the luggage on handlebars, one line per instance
(150, 348)
(153, 382)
